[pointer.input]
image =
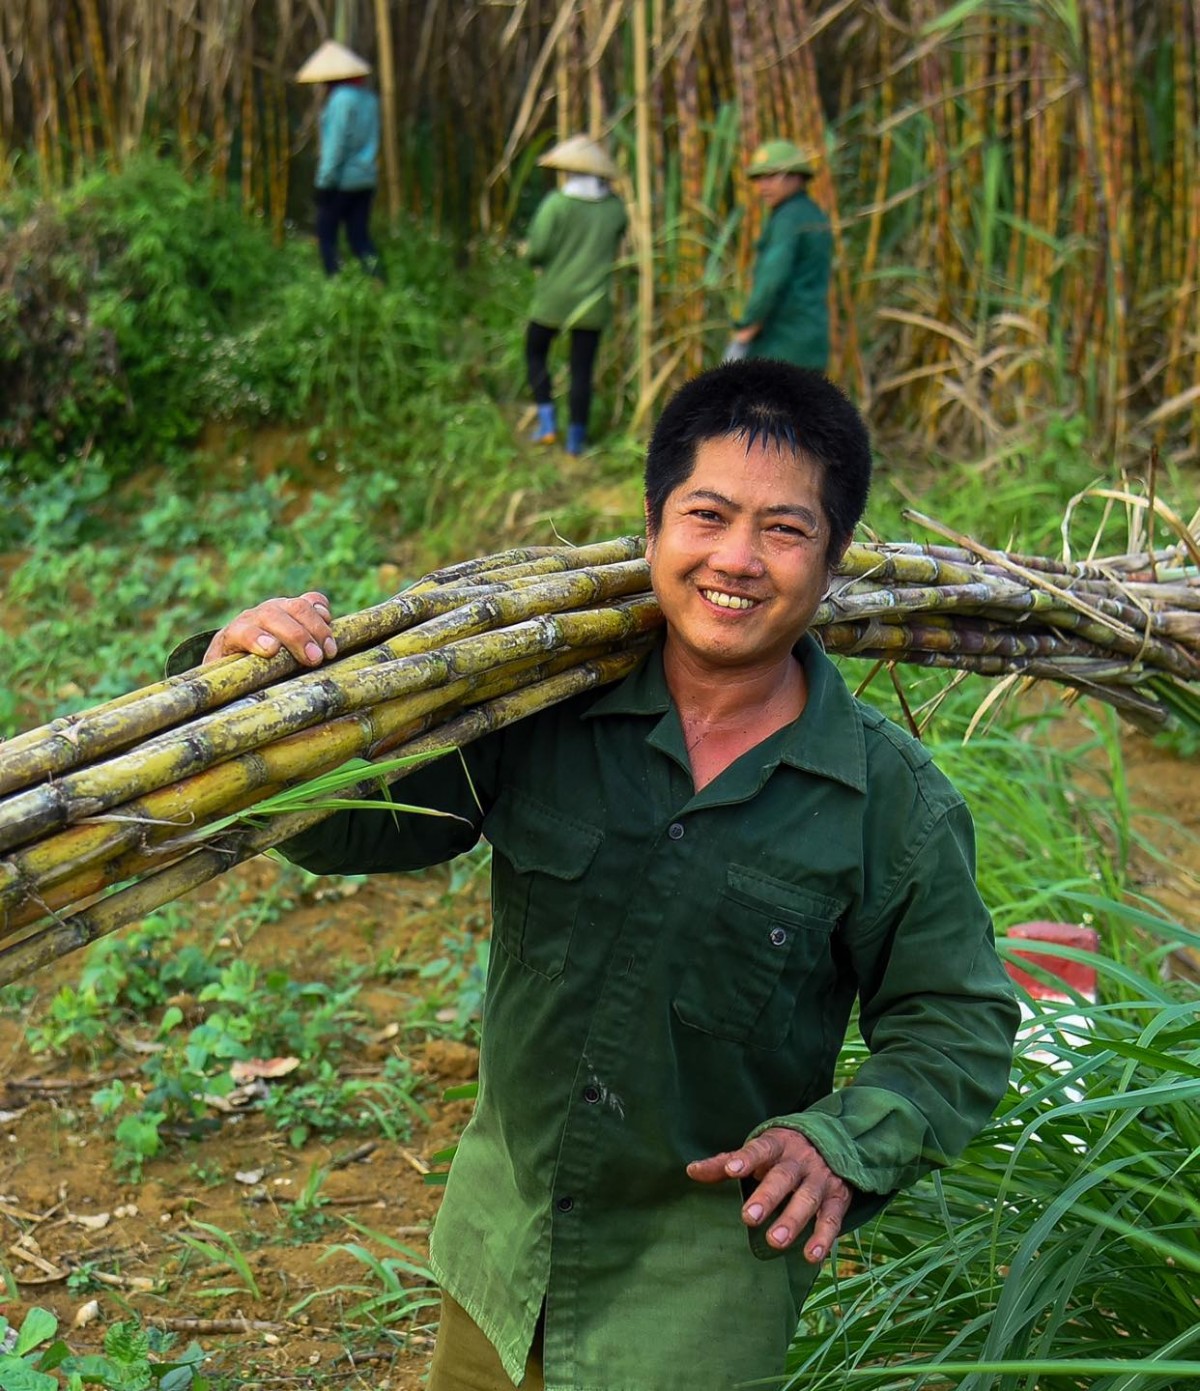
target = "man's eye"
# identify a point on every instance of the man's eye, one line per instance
(706, 514)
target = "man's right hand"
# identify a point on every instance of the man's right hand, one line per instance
(301, 625)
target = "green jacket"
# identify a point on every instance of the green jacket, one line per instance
(574, 242)
(672, 971)
(790, 293)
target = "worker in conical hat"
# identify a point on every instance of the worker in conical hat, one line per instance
(573, 242)
(348, 168)
(787, 313)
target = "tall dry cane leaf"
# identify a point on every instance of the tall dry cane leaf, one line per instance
(642, 222)
(386, 59)
(100, 76)
(519, 131)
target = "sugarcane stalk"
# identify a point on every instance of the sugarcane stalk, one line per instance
(76, 739)
(134, 901)
(64, 868)
(73, 740)
(307, 700)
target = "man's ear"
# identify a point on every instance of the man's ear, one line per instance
(649, 528)
(834, 561)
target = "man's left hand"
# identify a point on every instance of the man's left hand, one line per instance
(789, 1169)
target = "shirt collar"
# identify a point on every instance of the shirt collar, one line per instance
(827, 739)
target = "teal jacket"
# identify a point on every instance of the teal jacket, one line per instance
(349, 139)
(790, 294)
(574, 242)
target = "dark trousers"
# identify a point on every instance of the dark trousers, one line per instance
(584, 342)
(350, 208)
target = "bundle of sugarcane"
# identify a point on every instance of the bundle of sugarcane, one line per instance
(108, 814)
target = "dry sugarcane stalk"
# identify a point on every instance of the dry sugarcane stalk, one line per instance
(148, 831)
(128, 904)
(75, 739)
(481, 642)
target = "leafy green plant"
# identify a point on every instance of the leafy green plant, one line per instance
(131, 1361)
(455, 983)
(330, 1104)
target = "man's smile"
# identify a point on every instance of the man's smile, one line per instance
(723, 599)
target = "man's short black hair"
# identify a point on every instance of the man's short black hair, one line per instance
(766, 401)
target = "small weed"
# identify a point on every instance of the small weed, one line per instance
(82, 1279)
(17, 997)
(400, 1286)
(222, 1251)
(331, 1105)
(308, 1214)
(456, 981)
(36, 1359)
(208, 1174)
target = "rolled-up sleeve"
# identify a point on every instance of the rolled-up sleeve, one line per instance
(938, 1015)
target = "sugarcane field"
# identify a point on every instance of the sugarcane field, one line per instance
(599, 695)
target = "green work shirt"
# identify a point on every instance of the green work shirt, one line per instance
(790, 293)
(574, 242)
(671, 972)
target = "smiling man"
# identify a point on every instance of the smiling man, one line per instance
(696, 875)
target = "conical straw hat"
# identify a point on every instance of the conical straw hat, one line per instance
(579, 155)
(333, 63)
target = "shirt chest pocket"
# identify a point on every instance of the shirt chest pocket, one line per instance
(763, 945)
(539, 869)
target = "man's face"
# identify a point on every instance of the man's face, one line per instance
(741, 558)
(774, 189)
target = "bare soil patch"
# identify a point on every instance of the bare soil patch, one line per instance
(57, 1180)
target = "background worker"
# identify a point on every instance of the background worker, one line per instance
(696, 873)
(348, 167)
(787, 313)
(573, 242)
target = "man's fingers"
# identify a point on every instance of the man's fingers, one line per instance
(827, 1228)
(710, 1170)
(827, 1201)
(796, 1187)
(318, 602)
(302, 625)
(753, 1156)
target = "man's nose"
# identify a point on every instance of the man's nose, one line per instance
(737, 552)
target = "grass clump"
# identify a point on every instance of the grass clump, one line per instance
(1061, 1251)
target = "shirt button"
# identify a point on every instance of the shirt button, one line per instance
(675, 830)
(565, 1204)
(778, 936)
(591, 1094)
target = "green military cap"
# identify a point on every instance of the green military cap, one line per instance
(779, 157)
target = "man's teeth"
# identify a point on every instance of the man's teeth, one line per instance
(727, 601)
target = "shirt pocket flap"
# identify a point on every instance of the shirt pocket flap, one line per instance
(536, 838)
(783, 901)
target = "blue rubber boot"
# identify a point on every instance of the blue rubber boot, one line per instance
(576, 438)
(546, 431)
